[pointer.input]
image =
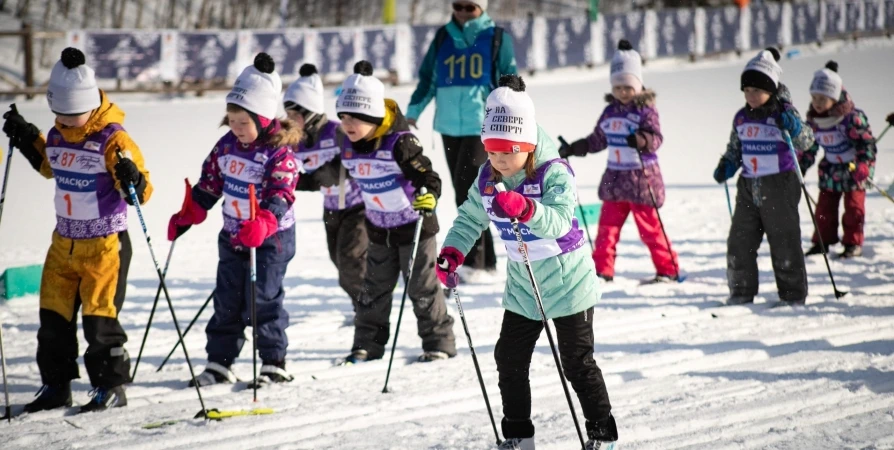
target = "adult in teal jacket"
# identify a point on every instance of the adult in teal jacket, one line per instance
(540, 195)
(461, 67)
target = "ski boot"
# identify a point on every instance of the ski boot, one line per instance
(105, 398)
(851, 251)
(817, 249)
(51, 397)
(517, 444)
(432, 356)
(602, 435)
(274, 372)
(356, 357)
(662, 279)
(214, 373)
(740, 300)
(606, 278)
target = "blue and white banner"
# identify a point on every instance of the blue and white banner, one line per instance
(766, 25)
(207, 55)
(423, 35)
(380, 47)
(806, 24)
(874, 13)
(889, 15)
(676, 32)
(126, 55)
(334, 50)
(285, 47)
(522, 35)
(568, 42)
(722, 27)
(630, 26)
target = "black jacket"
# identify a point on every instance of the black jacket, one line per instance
(327, 174)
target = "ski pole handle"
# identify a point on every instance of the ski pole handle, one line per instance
(500, 187)
(252, 201)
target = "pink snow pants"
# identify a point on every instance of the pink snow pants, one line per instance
(612, 218)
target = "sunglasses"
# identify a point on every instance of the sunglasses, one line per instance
(459, 7)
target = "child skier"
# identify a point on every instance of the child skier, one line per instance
(843, 131)
(388, 164)
(254, 152)
(342, 205)
(630, 130)
(541, 195)
(768, 189)
(90, 252)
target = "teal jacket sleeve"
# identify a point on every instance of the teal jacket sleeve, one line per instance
(471, 220)
(425, 90)
(553, 213)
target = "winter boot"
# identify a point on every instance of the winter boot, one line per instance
(602, 435)
(432, 356)
(105, 398)
(274, 372)
(817, 249)
(851, 251)
(214, 373)
(606, 278)
(356, 357)
(740, 300)
(662, 279)
(517, 444)
(51, 397)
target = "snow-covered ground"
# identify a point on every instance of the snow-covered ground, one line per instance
(680, 372)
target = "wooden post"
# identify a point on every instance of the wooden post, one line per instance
(28, 47)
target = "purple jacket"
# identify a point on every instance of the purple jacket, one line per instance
(632, 185)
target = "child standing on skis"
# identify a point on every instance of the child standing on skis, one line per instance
(342, 203)
(843, 131)
(388, 164)
(256, 151)
(630, 130)
(768, 189)
(541, 196)
(90, 252)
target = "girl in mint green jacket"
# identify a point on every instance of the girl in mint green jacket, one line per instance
(540, 194)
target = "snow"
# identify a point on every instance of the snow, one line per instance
(680, 372)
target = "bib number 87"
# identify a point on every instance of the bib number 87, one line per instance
(476, 65)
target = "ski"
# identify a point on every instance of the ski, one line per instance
(213, 414)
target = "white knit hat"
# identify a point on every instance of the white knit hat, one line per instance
(763, 71)
(72, 88)
(258, 87)
(307, 90)
(509, 124)
(362, 95)
(627, 67)
(827, 82)
(481, 3)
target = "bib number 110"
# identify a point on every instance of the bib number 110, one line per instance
(476, 65)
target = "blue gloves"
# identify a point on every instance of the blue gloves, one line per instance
(725, 170)
(791, 123)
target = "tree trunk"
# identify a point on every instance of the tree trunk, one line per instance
(86, 13)
(139, 22)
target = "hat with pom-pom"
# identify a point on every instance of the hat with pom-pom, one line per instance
(763, 71)
(307, 91)
(258, 87)
(72, 89)
(627, 67)
(827, 82)
(509, 124)
(362, 95)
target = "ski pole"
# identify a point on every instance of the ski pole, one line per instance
(416, 236)
(522, 248)
(161, 278)
(5, 383)
(14, 110)
(791, 147)
(152, 313)
(186, 331)
(729, 202)
(462, 316)
(658, 213)
(580, 207)
(880, 136)
(253, 268)
(851, 168)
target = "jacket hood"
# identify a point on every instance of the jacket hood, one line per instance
(471, 29)
(643, 99)
(107, 114)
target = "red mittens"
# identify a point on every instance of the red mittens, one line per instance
(190, 214)
(512, 205)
